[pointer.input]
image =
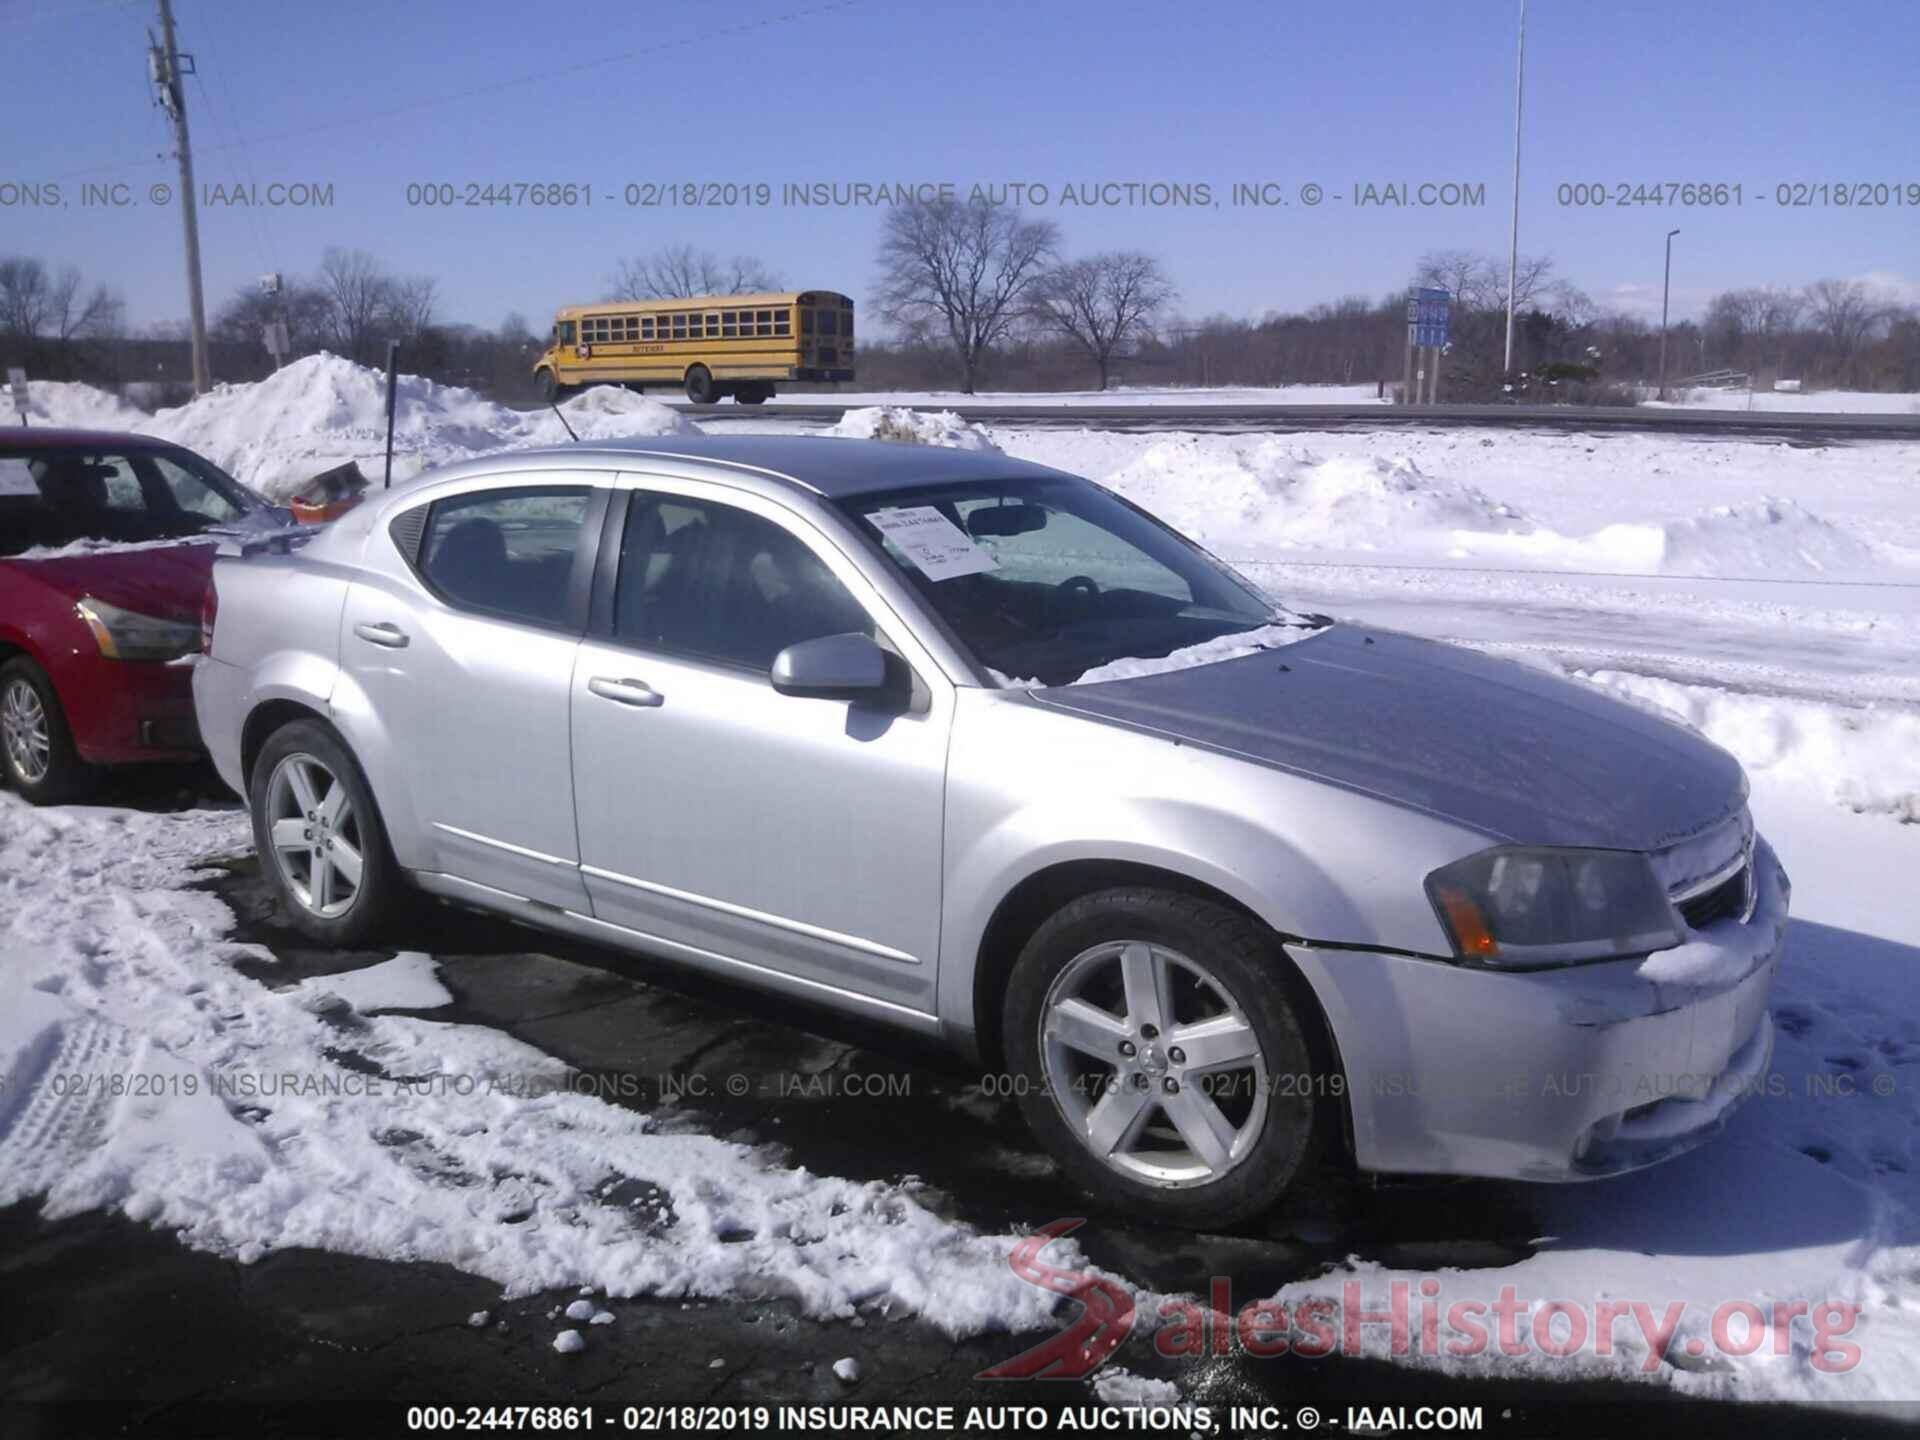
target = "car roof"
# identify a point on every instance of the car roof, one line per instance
(42, 437)
(819, 464)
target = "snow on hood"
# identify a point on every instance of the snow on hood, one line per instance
(323, 410)
(1207, 652)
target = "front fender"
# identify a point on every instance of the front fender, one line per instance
(1031, 787)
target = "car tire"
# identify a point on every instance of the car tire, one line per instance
(700, 387)
(1220, 966)
(753, 394)
(309, 876)
(36, 744)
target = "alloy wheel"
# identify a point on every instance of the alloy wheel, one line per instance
(315, 834)
(1154, 1063)
(23, 725)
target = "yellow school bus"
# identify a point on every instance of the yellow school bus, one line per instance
(713, 345)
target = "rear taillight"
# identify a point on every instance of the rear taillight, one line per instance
(209, 611)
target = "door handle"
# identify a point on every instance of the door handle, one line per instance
(391, 636)
(626, 692)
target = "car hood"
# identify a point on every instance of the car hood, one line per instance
(165, 581)
(1514, 752)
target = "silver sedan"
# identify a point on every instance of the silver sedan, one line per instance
(975, 748)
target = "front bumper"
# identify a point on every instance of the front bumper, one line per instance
(123, 712)
(1568, 1074)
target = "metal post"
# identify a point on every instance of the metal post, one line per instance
(1666, 289)
(173, 99)
(393, 378)
(1406, 385)
(1513, 243)
(1433, 390)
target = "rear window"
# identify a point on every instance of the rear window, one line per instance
(52, 498)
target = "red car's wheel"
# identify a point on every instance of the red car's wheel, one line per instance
(35, 744)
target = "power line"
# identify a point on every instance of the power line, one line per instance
(540, 77)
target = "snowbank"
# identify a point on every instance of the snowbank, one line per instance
(322, 411)
(1865, 758)
(266, 1119)
(912, 427)
(1242, 494)
(74, 406)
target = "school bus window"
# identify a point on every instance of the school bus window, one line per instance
(829, 323)
(782, 325)
(729, 324)
(806, 322)
(846, 323)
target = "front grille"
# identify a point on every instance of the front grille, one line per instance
(1726, 901)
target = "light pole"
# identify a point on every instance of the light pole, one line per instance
(1666, 289)
(1513, 244)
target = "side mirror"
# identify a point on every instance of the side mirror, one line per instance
(834, 667)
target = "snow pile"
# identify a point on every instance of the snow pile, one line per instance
(605, 412)
(1762, 539)
(145, 1074)
(912, 427)
(323, 411)
(72, 405)
(1245, 494)
(1865, 758)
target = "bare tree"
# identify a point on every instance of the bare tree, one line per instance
(677, 272)
(1474, 281)
(246, 315)
(514, 330)
(359, 293)
(1103, 302)
(35, 304)
(410, 307)
(1846, 313)
(964, 266)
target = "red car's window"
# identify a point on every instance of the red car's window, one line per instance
(51, 498)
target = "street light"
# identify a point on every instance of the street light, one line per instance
(1513, 244)
(1666, 289)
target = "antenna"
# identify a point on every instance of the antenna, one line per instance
(563, 421)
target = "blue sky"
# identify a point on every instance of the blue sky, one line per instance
(1749, 92)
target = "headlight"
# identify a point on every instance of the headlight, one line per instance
(123, 635)
(1524, 907)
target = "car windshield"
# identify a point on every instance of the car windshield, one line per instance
(1046, 579)
(54, 497)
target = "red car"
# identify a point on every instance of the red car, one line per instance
(101, 599)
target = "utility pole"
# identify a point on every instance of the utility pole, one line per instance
(1513, 245)
(1666, 289)
(163, 65)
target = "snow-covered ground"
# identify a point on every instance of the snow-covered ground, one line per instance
(1367, 394)
(1768, 594)
(1816, 402)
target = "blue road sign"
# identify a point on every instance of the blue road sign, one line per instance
(1427, 314)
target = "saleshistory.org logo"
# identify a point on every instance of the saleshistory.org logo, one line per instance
(1412, 1319)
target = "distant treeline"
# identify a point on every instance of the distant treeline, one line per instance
(1052, 323)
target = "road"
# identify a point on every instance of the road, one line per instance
(1793, 428)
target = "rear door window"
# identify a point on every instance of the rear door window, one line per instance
(509, 553)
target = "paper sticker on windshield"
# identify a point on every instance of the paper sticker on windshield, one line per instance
(940, 548)
(17, 479)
